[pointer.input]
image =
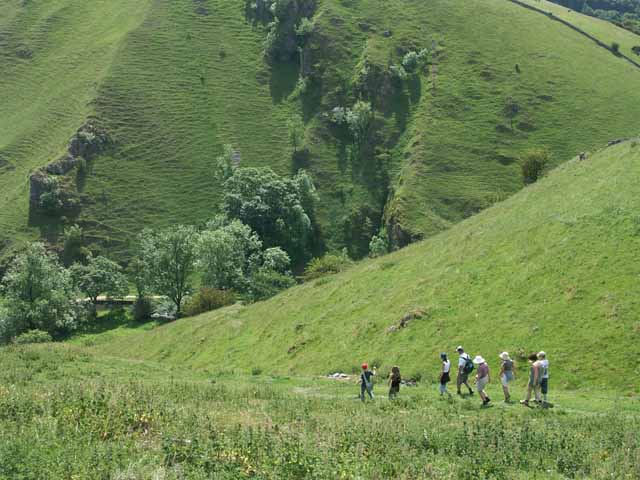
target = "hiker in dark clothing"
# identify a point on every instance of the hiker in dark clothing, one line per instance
(394, 382)
(445, 376)
(366, 381)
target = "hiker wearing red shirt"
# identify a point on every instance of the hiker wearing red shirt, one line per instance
(366, 381)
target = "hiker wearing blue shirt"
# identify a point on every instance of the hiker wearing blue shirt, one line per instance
(366, 381)
(465, 367)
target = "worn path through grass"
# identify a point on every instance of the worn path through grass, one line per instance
(65, 413)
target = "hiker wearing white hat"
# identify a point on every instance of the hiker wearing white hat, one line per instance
(465, 367)
(482, 378)
(507, 374)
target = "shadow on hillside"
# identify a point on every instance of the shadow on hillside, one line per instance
(110, 320)
(312, 98)
(342, 156)
(414, 85)
(49, 226)
(403, 101)
(284, 76)
(300, 159)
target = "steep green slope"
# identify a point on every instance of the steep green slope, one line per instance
(53, 56)
(188, 80)
(172, 81)
(595, 26)
(625, 14)
(462, 153)
(555, 267)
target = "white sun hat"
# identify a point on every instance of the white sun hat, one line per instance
(478, 360)
(504, 355)
(542, 353)
(458, 348)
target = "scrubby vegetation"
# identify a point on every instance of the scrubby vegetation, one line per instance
(327, 265)
(207, 299)
(533, 163)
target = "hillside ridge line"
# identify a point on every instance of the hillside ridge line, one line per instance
(599, 42)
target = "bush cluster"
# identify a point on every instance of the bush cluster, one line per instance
(327, 265)
(532, 164)
(207, 299)
(33, 336)
(142, 309)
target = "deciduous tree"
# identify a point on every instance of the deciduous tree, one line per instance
(100, 276)
(170, 256)
(39, 295)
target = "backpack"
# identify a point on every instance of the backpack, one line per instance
(468, 365)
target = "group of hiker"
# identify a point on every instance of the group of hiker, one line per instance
(537, 385)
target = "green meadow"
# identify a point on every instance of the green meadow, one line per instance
(244, 391)
(69, 414)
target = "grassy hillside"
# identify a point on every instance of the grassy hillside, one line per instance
(461, 155)
(53, 58)
(597, 27)
(624, 14)
(555, 267)
(172, 81)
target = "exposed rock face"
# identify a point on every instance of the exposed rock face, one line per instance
(39, 184)
(62, 166)
(400, 237)
(407, 318)
(87, 142)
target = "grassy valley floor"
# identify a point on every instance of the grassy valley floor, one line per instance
(65, 413)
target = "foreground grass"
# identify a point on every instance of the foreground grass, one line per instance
(139, 420)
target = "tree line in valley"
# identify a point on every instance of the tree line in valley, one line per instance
(247, 252)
